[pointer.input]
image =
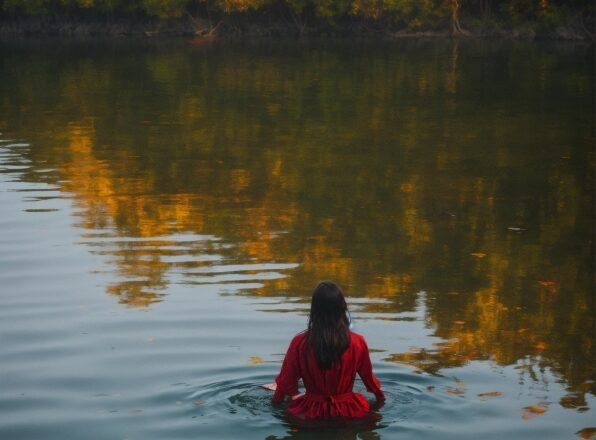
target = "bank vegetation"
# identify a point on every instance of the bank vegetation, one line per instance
(570, 19)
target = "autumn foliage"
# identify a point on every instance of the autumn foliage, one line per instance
(412, 15)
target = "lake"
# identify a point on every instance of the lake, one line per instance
(168, 206)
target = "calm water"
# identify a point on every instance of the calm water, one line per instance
(167, 208)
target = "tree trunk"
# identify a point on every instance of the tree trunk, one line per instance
(456, 28)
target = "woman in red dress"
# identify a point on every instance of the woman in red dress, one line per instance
(327, 357)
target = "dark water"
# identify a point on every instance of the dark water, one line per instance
(167, 208)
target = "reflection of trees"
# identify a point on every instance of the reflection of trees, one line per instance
(392, 174)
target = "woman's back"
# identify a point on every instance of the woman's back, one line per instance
(328, 390)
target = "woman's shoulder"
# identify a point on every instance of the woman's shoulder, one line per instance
(357, 338)
(299, 338)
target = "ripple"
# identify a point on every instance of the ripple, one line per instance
(242, 398)
(246, 267)
(233, 277)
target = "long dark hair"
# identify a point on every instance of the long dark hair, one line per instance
(328, 325)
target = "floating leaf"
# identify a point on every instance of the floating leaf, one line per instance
(540, 345)
(536, 409)
(255, 360)
(533, 411)
(587, 433)
(459, 322)
(478, 254)
(430, 388)
(198, 402)
(489, 394)
(270, 386)
(456, 391)
(522, 330)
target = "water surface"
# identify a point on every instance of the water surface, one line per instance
(167, 209)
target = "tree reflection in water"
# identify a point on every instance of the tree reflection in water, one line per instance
(466, 172)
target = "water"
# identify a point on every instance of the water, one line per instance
(167, 209)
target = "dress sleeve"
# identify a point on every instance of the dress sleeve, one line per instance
(287, 380)
(366, 374)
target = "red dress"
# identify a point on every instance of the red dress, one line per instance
(328, 392)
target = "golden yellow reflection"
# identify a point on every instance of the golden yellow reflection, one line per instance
(349, 175)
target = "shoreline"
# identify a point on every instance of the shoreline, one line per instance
(200, 29)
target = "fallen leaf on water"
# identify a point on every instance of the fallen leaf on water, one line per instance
(456, 391)
(478, 254)
(540, 345)
(587, 433)
(255, 360)
(430, 388)
(522, 330)
(198, 402)
(533, 411)
(536, 409)
(489, 394)
(459, 322)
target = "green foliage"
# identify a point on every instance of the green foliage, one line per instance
(331, 8)
(100, 5)
(33, 7)
(299, 6)
(27, 6)
(242, 5)
(165, 8)
(419, 13)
